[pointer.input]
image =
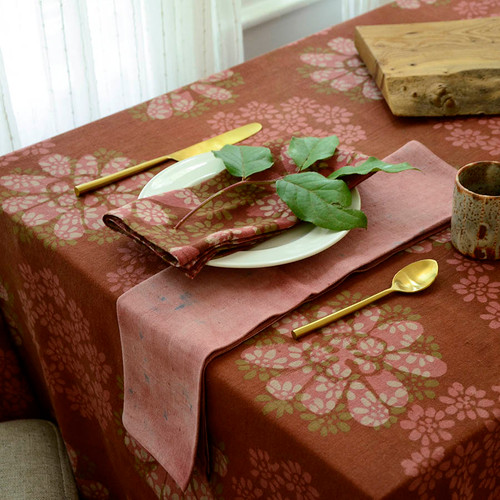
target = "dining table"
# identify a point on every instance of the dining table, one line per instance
(169, 386)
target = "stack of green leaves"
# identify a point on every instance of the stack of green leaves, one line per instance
(322, 200)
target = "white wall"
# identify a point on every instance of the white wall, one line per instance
(269, 24)
(273, 24)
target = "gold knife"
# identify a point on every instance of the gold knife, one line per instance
(212, 144)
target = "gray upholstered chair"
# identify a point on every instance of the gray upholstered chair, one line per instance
(34, 464)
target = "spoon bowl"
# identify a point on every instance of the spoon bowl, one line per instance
(412, 278)
(415, 276)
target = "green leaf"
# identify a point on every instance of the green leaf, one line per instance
(314, 426)
(263, 397)
(243, 161)
(331, 191)
(321, 201)
(371, 165)
(305, 151)
(308, 416)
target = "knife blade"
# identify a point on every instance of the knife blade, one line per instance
(212, 144)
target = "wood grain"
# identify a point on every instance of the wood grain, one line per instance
(435, 69)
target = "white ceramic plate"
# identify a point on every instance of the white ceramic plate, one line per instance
(299, 242)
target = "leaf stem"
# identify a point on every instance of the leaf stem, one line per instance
(218, 193)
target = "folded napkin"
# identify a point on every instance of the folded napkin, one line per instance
(172, 326)
(233, 221)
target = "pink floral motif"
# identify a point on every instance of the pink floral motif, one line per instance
(215, 93)
(160, 108)
(421, 247)
(222, 121)
(151, 213)
(424, 467)
(292, 116)
(466, 138)
(220, 461)
(125, 277)
(269, 207)
(265, 472)
(135, 266)
(274, 480)
(158, 480)
(473, 463)
(491, 122)
(468, 265)
(413, 4)
(493, 146)
(466, 403)
(133, 253)
(332, 115)
(479, 288)
(341, 69)
(88, 488)
(93, 490)
(183, 101)
(227, 234)
(189, 198)
(297, 115)
(492, 315)
(252, 111)
(42, 148)
(8, 158)
(71, 362)
(290, 123)
(45, 200)
(348, 361)
(219, 77)
(136, 448)
(442, 237)
(470, 8)
(350, 134)
(298, 480)
(164, 106)
(244, 488)
(490, 475)
(461, 469)
(427, 426)
(297, 106)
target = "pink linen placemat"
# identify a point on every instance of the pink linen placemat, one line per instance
(172, 326)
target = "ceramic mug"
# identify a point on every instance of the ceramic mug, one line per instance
(475, 219)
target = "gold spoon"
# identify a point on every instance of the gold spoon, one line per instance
(412, 278)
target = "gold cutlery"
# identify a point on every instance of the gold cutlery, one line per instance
(212, 144)
(412, 278)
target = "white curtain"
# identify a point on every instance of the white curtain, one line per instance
(64, 63)
(352, 8)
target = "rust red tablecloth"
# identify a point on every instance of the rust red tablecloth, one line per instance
(281, 415)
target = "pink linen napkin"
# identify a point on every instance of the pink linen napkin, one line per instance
(232, 221)
(172, 326)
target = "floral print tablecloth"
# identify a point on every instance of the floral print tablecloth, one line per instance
(403, 394)
(346, 412)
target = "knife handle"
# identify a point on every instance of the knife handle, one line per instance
(122, 174)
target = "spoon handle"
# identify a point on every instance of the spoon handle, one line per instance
(304, 330)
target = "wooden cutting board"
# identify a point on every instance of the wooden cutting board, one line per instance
(435, 69)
